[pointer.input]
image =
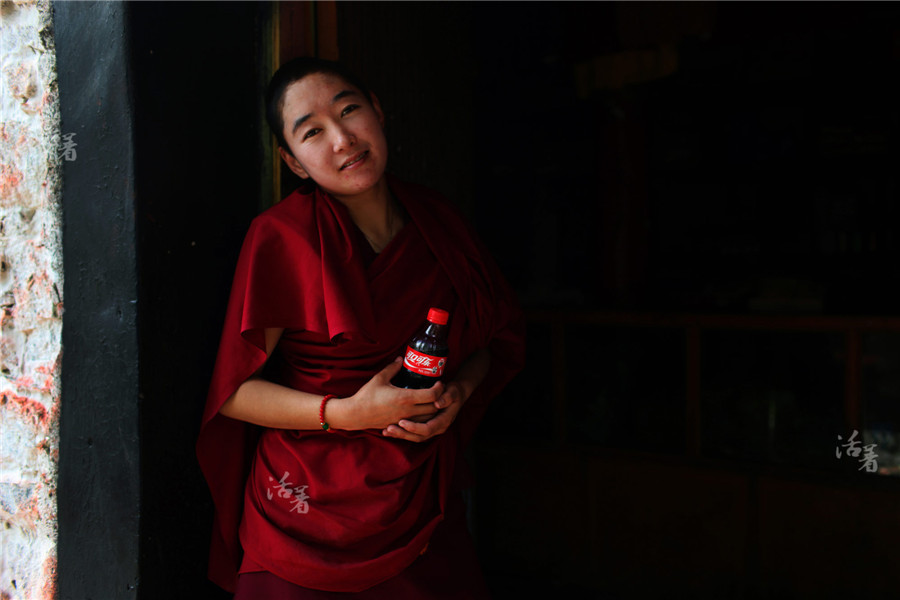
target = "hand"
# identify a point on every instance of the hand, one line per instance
(450, 402)
(379, 404)
(452, 393)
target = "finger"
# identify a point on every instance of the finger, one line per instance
(436, 391)
(423, 429)
(421, 416)
(392, 369)
(427, 395)
(419, 432)
(450, 395)
(436, 426)
(395, 431)
(444, 418)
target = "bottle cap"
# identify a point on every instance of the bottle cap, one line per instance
(438, 316)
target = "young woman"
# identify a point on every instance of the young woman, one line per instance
(328, 481)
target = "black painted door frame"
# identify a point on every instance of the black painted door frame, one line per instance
(165, 99)
(99, 455)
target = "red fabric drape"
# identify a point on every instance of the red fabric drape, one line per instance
(372, 502)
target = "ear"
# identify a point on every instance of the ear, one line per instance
(292, 163)
(377, 106)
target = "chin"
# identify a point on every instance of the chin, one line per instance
(360, 185)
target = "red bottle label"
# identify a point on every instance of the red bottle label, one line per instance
(424, 364)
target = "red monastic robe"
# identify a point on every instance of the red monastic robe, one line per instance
(343, 511)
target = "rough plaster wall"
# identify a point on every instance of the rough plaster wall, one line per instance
(30, 300)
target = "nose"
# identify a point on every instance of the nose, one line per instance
(343, 139)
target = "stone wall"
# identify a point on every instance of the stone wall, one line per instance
(31, 283)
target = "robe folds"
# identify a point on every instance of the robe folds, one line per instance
(344, 510)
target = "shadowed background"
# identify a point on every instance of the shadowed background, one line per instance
(697, 206)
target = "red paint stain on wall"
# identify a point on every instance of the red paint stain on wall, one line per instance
(10, 177)
(24, 382)
(26, 407)
(45, 101)
(49, 588)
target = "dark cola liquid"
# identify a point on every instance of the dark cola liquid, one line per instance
(426, 354)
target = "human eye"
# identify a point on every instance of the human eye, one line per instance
(311, 132)
(349, 109)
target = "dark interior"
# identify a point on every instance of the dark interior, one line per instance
(697, 204)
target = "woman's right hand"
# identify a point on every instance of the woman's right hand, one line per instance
(378, 404)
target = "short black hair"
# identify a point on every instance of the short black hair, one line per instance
(295, 70)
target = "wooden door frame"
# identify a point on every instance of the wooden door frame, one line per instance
(307, 28)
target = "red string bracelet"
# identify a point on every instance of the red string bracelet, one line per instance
(322, 411)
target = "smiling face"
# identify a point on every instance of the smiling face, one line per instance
(335, 134)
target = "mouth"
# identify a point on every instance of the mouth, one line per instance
(354, 160)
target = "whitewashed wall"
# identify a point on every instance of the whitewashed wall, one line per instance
(31, 283)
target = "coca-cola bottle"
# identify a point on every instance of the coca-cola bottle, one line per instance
(426, 353)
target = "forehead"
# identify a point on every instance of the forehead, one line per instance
(313, 93)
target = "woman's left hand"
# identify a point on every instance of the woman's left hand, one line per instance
(456, 393)
(450, 403)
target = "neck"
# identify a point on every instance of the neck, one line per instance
(375, 213)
